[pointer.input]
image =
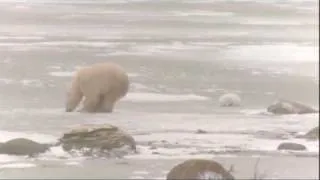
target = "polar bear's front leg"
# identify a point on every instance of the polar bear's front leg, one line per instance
(74, 96)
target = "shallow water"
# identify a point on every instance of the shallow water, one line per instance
(180, 56)
(276, 168)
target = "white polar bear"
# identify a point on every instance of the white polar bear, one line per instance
(102, 85)
(229, 99)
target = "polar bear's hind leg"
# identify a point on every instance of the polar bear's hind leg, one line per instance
(91, 104)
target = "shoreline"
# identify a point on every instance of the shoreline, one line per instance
(288, 167)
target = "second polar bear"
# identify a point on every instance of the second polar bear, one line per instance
(101, 85)
(229, 99)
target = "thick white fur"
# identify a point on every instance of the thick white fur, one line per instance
(229, 99)
(101, 85)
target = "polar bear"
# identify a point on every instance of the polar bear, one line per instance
(101, 85)
(229, 99)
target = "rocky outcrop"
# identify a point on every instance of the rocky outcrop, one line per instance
(289, 107)
(313, 134)
(98, 140)
(199, 169)
(23, 147)
(291, 146)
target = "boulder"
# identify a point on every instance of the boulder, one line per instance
(199, 169)
(23, 147)
(101, 140)
(291, 146)
(229, 100)
(313, 134)
(200, 131)
(283, 106)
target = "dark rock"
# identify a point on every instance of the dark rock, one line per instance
(291, 146)
(200, 131)
(199, 169)
(23, 147)
(289, 107)
(98, 140)
(313, 134)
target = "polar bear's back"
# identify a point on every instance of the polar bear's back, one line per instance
(104, 77)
